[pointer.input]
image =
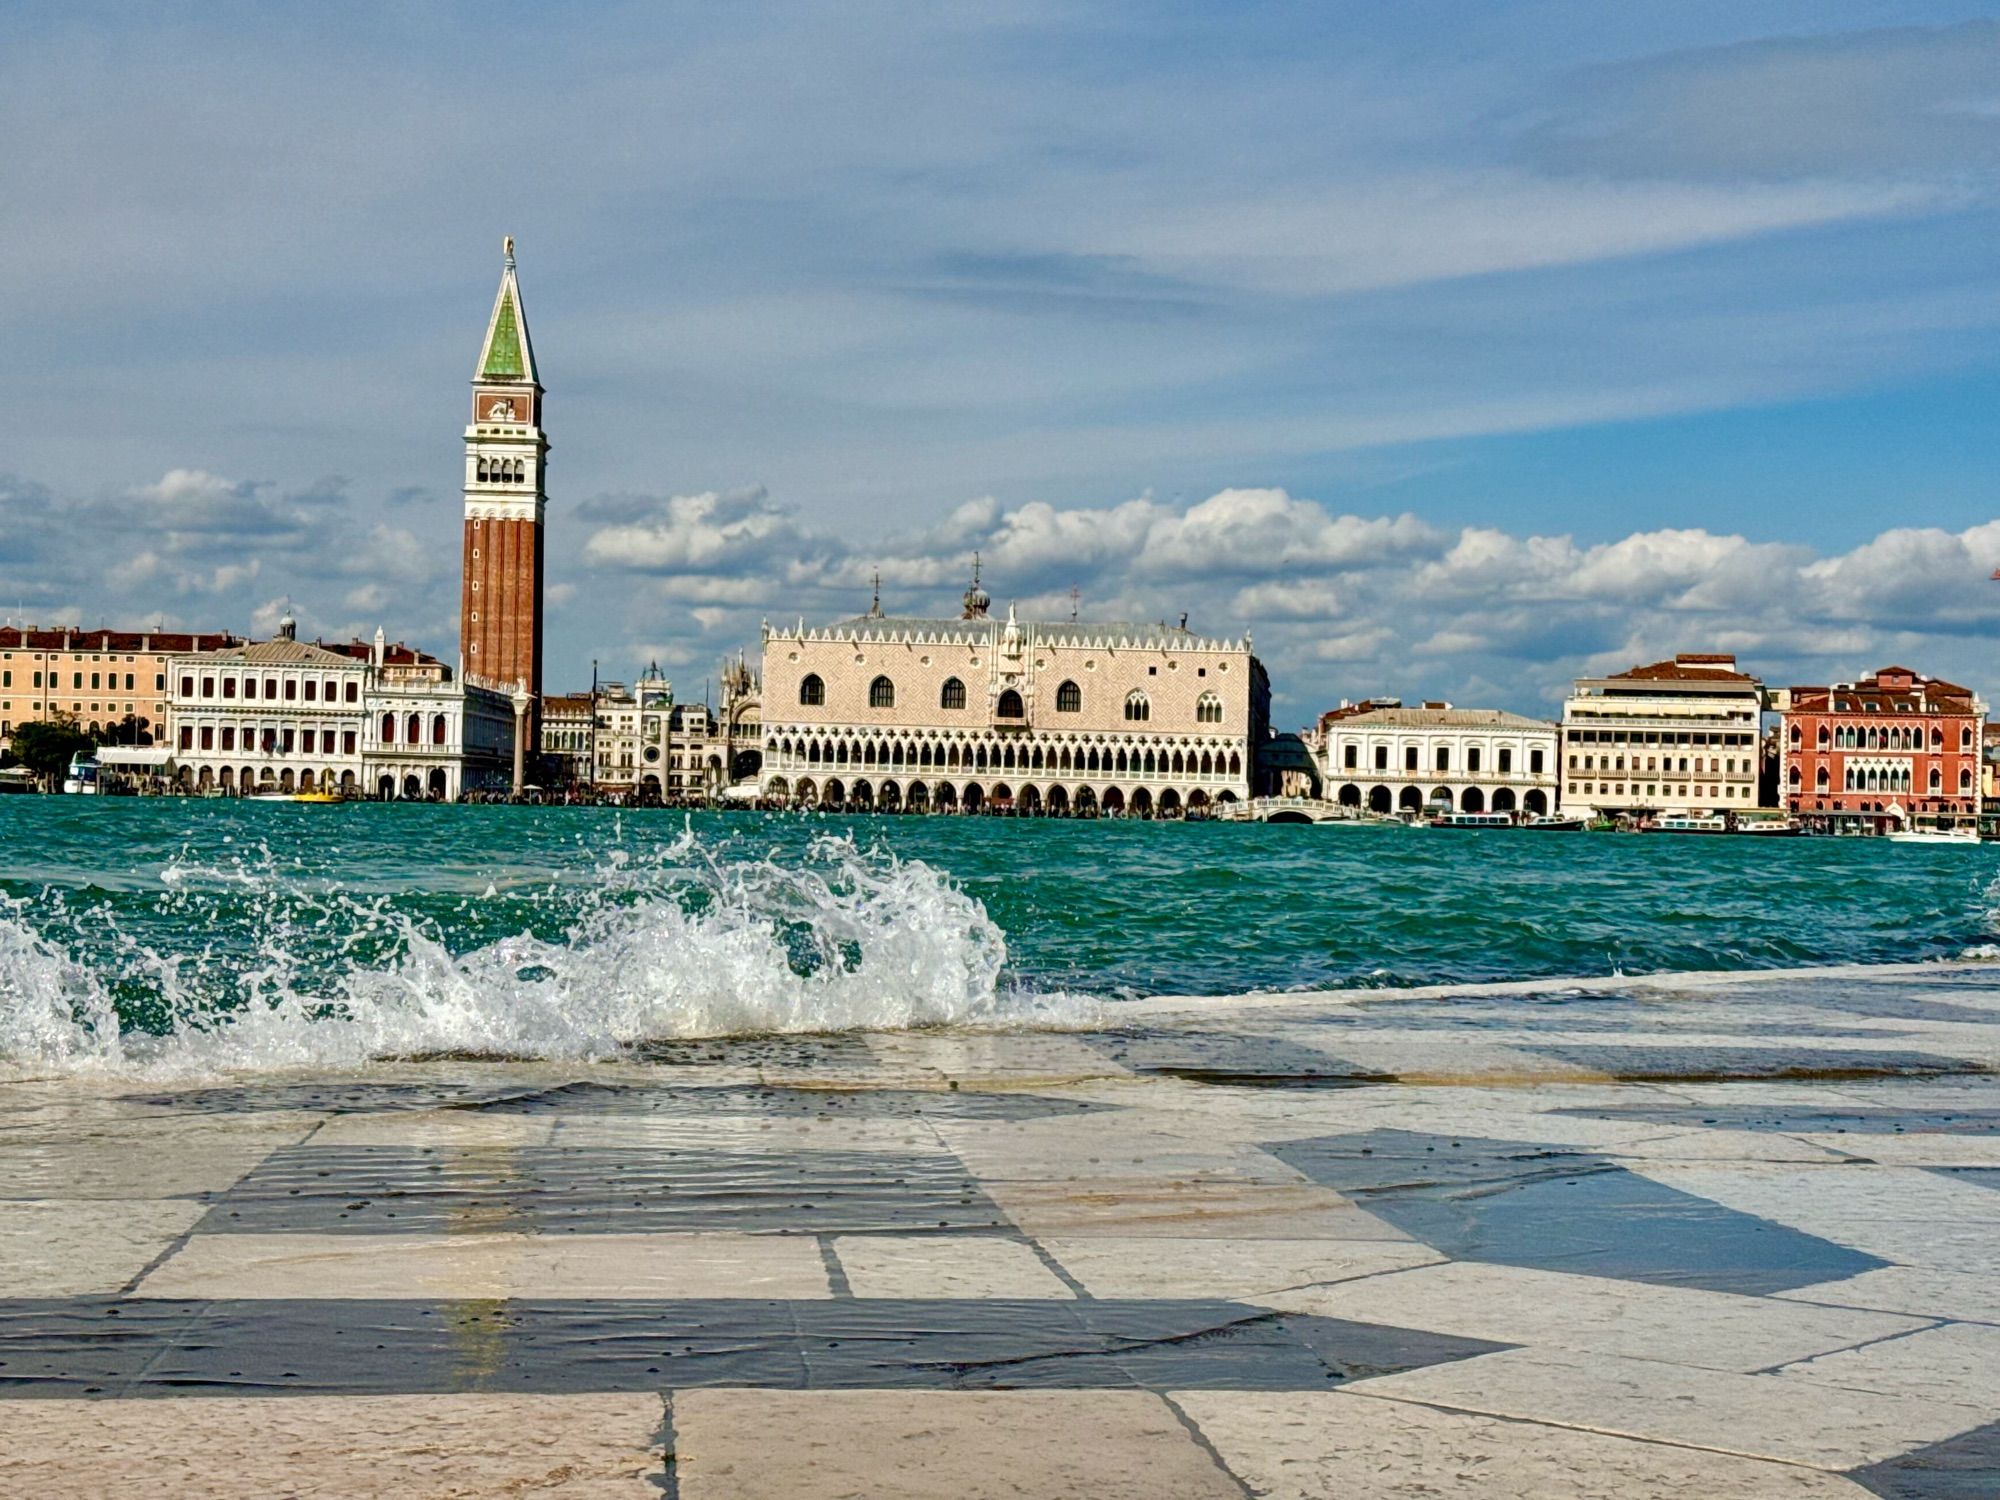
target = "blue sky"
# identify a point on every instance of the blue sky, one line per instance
(1453, 349)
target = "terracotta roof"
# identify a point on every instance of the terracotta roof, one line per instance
(1686, 667)
(398, 655)
(27, 638)
(274, 653)
(1928, 694)
(1435, 718)
(560, 703)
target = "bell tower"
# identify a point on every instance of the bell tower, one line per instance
(506, 456)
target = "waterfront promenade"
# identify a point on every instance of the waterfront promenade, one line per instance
(1710, 1237)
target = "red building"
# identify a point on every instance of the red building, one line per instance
(1894, 749)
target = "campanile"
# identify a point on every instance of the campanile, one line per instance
(506, 453)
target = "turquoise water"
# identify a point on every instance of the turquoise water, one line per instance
(393, 929)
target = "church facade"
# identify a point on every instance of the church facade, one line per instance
(977, 713)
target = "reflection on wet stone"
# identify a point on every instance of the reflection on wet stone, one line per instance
(152, 1348)
(1555, 1209)
(393, 1189)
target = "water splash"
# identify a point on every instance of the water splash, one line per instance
(681, 943)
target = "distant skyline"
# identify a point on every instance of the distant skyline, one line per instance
(1454, 349)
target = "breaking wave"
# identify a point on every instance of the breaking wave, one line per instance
(270, 970)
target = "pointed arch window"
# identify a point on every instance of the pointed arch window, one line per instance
(953, 695)
(1009, 706)
(812, 691)
(1137, 709)
(881, 693)
(1069, 699)
(1208, 709)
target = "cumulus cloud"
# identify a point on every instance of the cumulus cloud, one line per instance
(1344, 604)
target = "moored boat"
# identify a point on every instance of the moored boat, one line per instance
(1962, 833)
(1553, 823)
(1473, 820)
(82, 778)
(1690, 823)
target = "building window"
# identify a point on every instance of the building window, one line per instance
(1010, 705)
(187, 737)
(1409, 757)
(187, 687)
(1381, 757)
(1069, 699)
(1444, 757)
(1472, 761)
(1137, 709)
(1534, 763)
(291, 689)
(207, 737)
(347, 742)
(1208, 709)
(229, 737)
(353, 691)
(953, 695)
(388, 729)
(881, 693)
(812, 691)
(1353, 756)
(228, 688)
(312, 690)
(437, 729)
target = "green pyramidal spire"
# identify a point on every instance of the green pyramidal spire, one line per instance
(507, 353)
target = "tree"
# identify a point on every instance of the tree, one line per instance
(130, 730)
(46, 746)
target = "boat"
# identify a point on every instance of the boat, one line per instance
(1691, 823)
(16, 779)
(82, 778)
(1771, 828)
(293, 797)
(1553, 823)
(1962, 833)
(1473, 820)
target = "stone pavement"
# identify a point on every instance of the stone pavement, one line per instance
(1687, 1238)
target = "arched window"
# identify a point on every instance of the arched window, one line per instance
(812, 692)
(881, 693)
(1208, 709)
(482, 470)
(1010, 705)
(953, 695)
(1137, 709)
(437, 729)
(388, 729)
(416, 730)
(1069, 699)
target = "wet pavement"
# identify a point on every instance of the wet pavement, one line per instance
(1687, 1238)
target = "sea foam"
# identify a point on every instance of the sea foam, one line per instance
(679, 944)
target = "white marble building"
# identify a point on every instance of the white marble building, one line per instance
(360, 719)
(1383, 757)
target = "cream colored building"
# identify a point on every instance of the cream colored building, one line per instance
(99, 678)
(1679, 736)
(1384, 757)
(976, 713)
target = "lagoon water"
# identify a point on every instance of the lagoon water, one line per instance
(190, 934)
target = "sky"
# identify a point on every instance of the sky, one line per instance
(1451, 350)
